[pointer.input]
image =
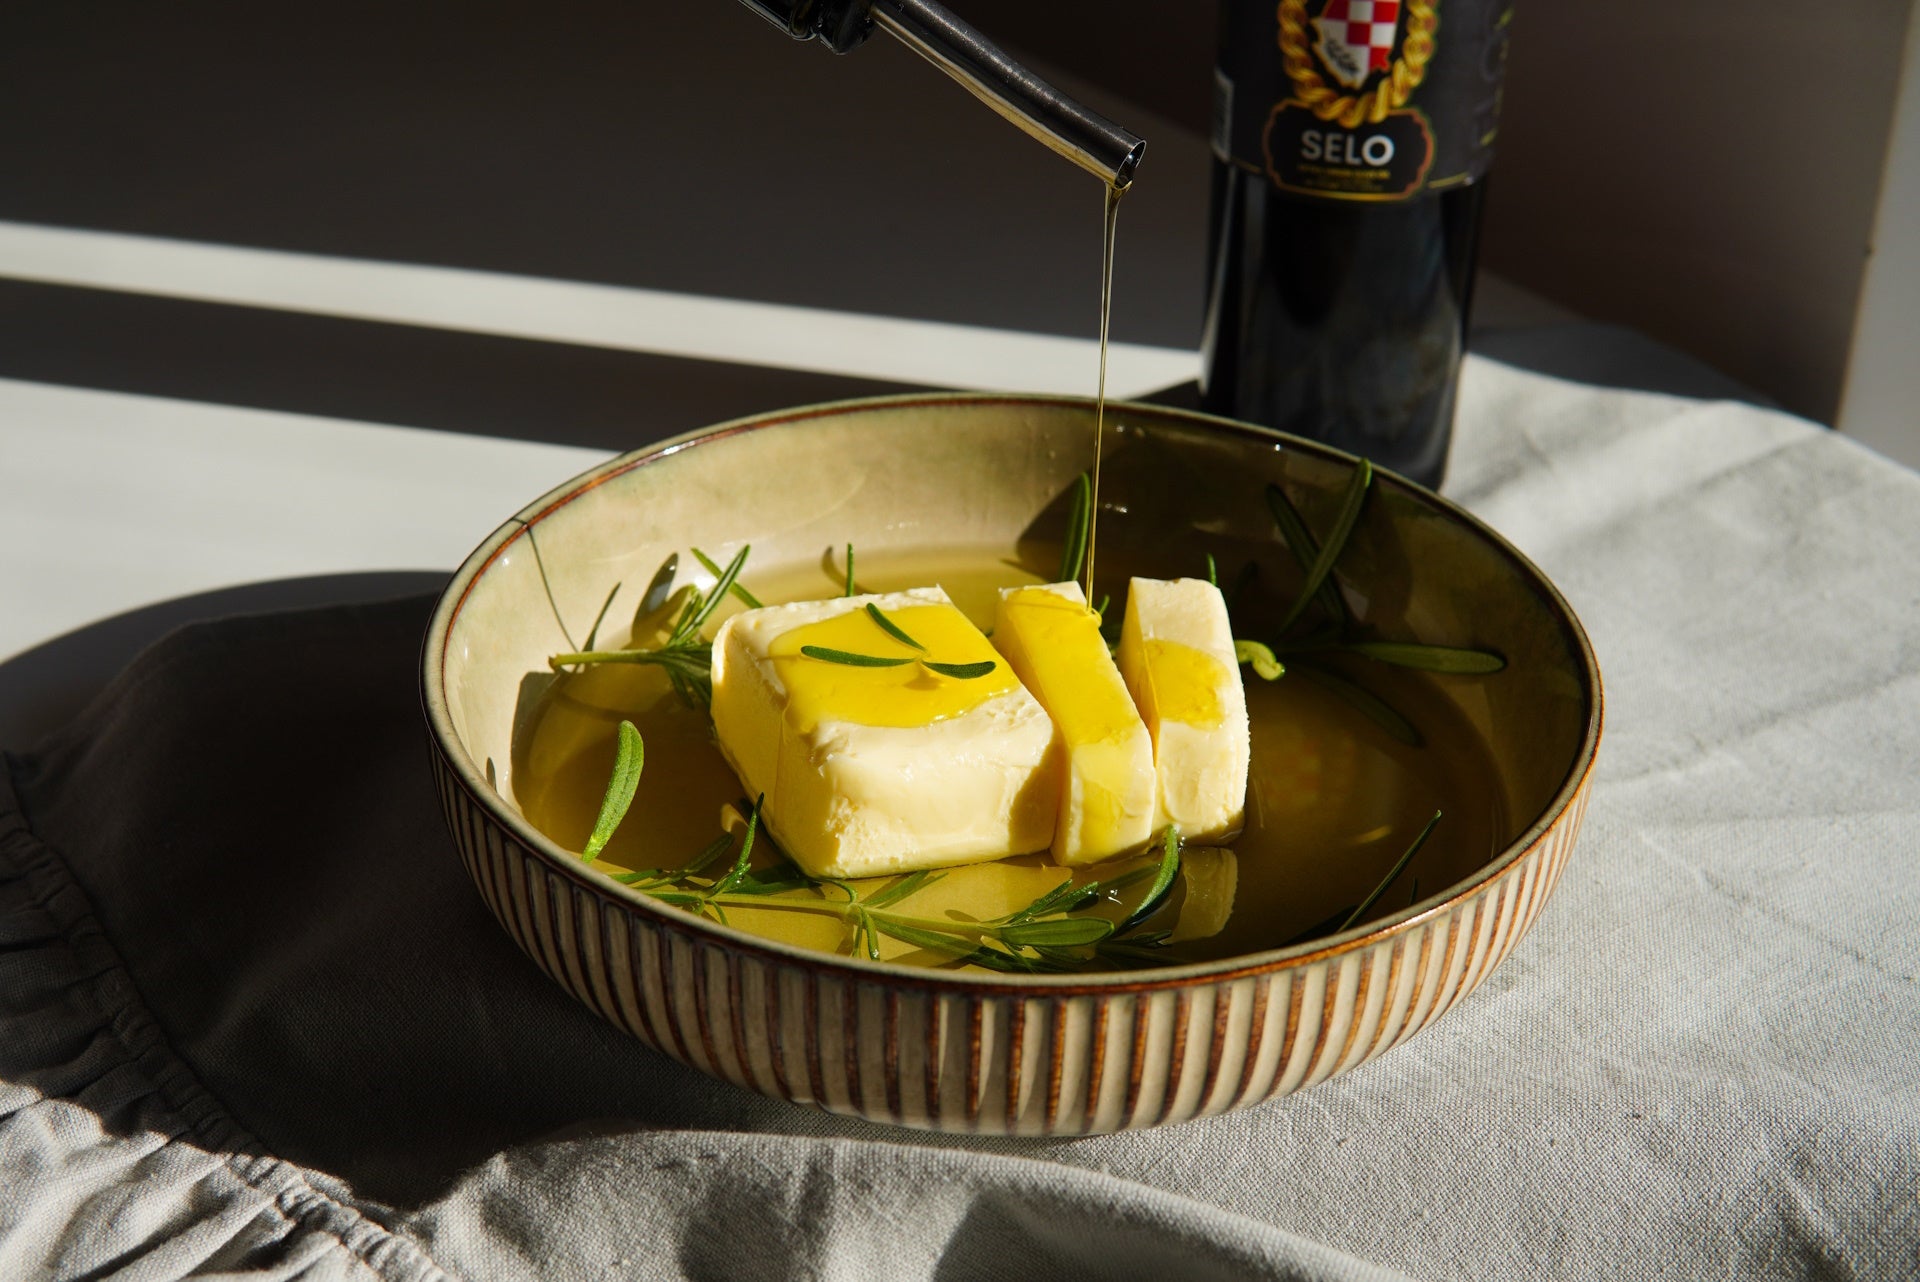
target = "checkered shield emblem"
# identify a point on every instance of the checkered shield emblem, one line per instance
(1356, 38)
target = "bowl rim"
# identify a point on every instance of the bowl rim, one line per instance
(856, 969)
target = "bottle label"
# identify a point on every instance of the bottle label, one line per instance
(1361, 99)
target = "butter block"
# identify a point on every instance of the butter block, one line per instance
(1053, 642)
(1176, 654)
(869, 771)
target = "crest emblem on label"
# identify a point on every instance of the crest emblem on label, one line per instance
(1356, 39)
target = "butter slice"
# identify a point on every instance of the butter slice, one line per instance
(874, 771)
(1176, 653)
(1053, 642)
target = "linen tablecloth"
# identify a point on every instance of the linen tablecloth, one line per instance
(254, 1022)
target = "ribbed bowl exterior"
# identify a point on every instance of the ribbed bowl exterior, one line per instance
(954, 1054)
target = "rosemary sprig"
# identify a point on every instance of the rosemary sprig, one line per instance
(1045, 935)
(1073, 544)
(1335, 632)
(854, 659)
(687, 655)
(1317, 573)
(739, 590)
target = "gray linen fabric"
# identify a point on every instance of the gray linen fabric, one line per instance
(254, 1021)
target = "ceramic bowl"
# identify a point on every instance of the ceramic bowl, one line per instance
(1042, 1054)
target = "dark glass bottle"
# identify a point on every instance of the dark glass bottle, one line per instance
(1342, 250)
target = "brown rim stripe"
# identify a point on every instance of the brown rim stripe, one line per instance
(1177, 1062)
(850, 1045)
(620, 976)
(1137, 1065)
(1532, 893)
(1256, 1035)
(1057, 1034)
(699, 965)
(1223, 1004)
(546, 919)
(670, 1007)
(1016, 1058)
(1291, 1051)
(1483, 940)
(976, 1017)
(520, 878)
(1330, 1004)
(1426, 985)
(935, 1014)
(1097, 1067)
(737, 1021)
(1506, 921)
(636, 944)
(560, 926)
(891, 1023)
(1389, 1002)
(777, 1031)
(1463, 924)
(589, 930)
(816, 1066)
(1419, 987)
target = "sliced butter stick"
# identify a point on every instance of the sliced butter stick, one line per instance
(1176, 653)
(870, 771)
(1052, 640)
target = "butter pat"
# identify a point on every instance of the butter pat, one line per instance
(1176, 653)
(869, 771)
(1106, 756)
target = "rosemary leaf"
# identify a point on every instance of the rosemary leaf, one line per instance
(1368, 703)
(1265, 666)
(1392, 873)
(901, 889)
(691, 627)
(1073, 544)
(960, 671)
(1350, 505)
(1056, 931)
(1293, 531)
(1162, 881)
(593, 633)
(849, 591)
(828, 655)
(891, 628)
(1213, 571)
(739, 590)
(739, 868)
(628, 758)
(711, 851)
(1428, 658)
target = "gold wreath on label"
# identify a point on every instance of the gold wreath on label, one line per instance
(1351, 110)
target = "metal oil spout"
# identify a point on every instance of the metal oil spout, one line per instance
(930, 29)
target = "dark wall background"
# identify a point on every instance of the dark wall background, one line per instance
(1701, 172)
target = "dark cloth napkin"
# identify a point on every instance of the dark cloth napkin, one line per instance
(254, 1018)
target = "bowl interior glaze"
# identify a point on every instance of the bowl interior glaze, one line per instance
(991, 473)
